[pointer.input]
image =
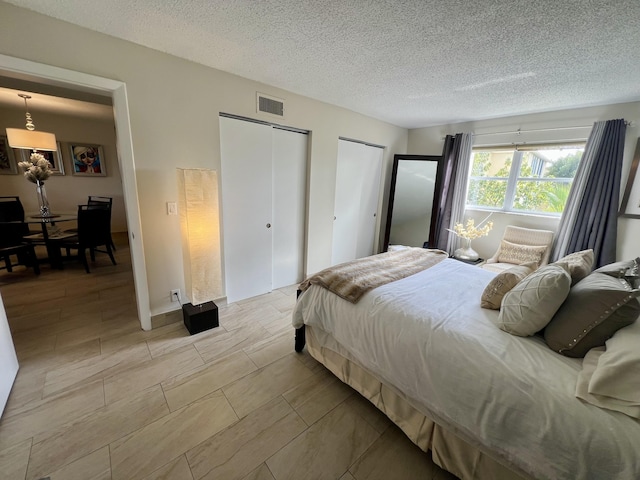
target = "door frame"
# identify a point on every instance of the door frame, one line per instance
(49, 75)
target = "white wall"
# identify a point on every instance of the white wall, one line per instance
(66, 192)
(174, 106)
(429, 140)
(8, 359)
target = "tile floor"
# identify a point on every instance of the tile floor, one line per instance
(98, 398)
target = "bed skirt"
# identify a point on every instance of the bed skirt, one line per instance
(448, 450)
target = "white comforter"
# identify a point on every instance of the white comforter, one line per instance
(427, 336)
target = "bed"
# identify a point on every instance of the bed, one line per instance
(488, 404)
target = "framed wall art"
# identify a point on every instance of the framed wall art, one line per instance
(87, 160)
(54, 159)
(630, 206)
(8, 165)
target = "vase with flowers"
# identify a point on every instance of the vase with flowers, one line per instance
(37, 169)
(468, 232)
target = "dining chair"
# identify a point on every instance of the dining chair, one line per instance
(104, 201)
(11, 210)
(12, 245)
(98, 200)
(94, 231)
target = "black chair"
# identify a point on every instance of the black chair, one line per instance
(11, 210)
(108, 201)
(101, 201)
(12, 245)
(94, 230)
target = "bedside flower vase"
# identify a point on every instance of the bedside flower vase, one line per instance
(466, 252)
(43, 202)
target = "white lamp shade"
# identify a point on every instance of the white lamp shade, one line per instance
(200, 228)
(31, 139)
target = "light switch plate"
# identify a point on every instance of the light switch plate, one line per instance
(172, 208)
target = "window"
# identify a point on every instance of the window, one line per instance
(533, 180)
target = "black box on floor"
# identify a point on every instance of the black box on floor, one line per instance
(198, 318)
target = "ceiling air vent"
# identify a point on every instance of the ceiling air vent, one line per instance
(271, 105)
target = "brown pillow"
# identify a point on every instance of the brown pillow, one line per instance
(502, 283)
(519, 254)
(595, 309)
(579, 263)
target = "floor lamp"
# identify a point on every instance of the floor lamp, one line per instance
(200, 229)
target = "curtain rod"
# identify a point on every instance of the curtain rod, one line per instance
(519, 131)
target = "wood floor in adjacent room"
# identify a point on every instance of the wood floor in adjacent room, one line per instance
(98, 398)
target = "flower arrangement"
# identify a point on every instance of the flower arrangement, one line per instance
(470, 231)
(37, 169)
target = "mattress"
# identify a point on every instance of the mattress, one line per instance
(427, 338)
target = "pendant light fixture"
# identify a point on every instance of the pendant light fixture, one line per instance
(29, 138)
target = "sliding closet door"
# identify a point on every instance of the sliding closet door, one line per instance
(246, 150)
(356, 200)
(371, 158)
(289, 200)
(264, 176)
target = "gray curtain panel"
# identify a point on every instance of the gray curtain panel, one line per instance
(590, 218)
(457, 159)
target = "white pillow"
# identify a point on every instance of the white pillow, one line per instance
(589, 366)
(610, 377)
(529, 306)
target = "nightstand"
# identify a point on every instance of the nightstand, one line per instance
(477, 262)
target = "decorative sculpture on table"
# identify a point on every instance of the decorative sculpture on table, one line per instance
(468, 232)
(37, 170)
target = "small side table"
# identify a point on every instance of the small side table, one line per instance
(477, 262)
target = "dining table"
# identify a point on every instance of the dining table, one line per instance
(50, 231)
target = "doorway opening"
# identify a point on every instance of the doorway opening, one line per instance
(38, 73)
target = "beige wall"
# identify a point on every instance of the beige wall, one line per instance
(426, 140)
(174, 106)
(66, 192)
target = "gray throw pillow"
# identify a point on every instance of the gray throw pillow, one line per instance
(618, 269)
(594, 310)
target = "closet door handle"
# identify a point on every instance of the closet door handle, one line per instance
(268, 225)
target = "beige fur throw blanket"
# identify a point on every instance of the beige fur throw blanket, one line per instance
(351, 280)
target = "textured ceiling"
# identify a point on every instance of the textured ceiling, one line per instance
(412, 63)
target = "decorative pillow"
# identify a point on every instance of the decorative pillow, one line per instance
(502, 283)
(529, 306)
(618, 269)
(618, 371)
(519, 254)
(580, 264)
(609, 378)
(595, 309)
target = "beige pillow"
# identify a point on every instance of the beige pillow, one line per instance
(595, 309)
(529, 306)
(609, 377)
(519, 254)
(618, 371)
(502, 283)
(580, 264)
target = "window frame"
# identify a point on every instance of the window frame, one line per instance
(513, 178)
